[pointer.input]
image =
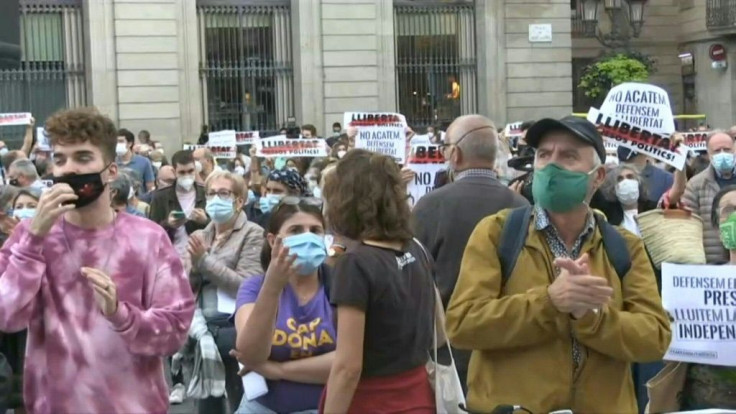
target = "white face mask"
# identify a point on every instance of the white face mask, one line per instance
(627, 191)
(121, 149)
(239, 170)
(3, 151)
(198, 166)
(341, 153)
(157, 164)
(185, 183)
(131, 194)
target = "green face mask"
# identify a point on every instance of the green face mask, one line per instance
(559, 190)
(728, 232)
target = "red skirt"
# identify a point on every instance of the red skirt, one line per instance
(408, 392)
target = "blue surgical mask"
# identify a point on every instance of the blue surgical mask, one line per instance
(317, 192)
(723, 162)
(309, 249)
(251, 196)
(268, 202)
(220, 210)
(24, 213)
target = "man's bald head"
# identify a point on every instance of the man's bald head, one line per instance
(166, 176)
(477, 141)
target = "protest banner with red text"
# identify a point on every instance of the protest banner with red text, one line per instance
(636, 138)
(247, 137)
(384, 133)
(18, 118)
(696, 140)
(280, 146)
(426, 161)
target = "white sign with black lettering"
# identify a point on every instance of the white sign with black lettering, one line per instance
(384, 133)
(641, 105)
(425, 161)
(701, 301)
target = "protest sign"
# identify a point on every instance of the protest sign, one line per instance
(701, 302)
(18, 118)
(222, 139)
(696, 140)
(246, 138)
(384, 133)
(280, 146)
(190, 147)
(420, 140)
(425, 161)
(611, 146)
(513, 130)
(223, 151)
(639, 139)
(641, 105)
(43, 143)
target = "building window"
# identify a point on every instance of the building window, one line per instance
(51, 74)
(436, 68)
(580, 102)
(246, 64)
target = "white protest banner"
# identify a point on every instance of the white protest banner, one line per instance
(42, 139)
(636, 138)
(280, 146)
(611, 146)
(513, 130)
(425, 161)
(18, 118)
(384, 133)
(247, 137)
(191, 147)
(223, 151)
(696, 140)
(701, 301)
(641, 105)
(222, 139)
(420, 140)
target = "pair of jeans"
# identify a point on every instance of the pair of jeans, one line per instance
(253, 407)
(223, 331)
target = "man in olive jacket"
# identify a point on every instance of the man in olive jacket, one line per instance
(564, 328)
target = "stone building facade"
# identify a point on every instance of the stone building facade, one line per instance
(171, 66)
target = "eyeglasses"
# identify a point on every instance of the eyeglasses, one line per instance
(300, 201)
(223, 194)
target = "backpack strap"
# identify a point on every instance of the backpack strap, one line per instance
(616, 248)
(513, 237)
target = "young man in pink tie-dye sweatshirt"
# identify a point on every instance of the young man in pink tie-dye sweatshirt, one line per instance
(103, 294)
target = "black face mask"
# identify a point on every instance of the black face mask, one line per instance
(14, 182)
(88, 187)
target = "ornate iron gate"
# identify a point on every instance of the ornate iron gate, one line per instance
(51, 75)
(436, 66)
(246, 63)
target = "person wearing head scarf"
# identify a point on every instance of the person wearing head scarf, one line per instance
(280, 183)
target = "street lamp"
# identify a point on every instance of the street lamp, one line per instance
(626, 16)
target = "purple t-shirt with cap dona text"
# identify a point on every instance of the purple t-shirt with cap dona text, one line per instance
(301, 332)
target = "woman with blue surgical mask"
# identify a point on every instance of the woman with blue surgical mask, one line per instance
(284, 320)
(222, 256)
(25, 203)
(280, 183)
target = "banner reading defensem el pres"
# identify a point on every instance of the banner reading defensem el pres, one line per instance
(701, 302)
(639, 139)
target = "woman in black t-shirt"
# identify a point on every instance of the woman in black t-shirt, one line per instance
(383, 291)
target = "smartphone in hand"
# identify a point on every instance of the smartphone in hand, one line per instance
(178, 215)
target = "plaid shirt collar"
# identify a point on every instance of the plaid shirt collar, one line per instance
(476, 172)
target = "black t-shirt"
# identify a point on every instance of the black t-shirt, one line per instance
(396, 291)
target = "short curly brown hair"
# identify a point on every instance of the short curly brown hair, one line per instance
(366, 199)
(74, 126)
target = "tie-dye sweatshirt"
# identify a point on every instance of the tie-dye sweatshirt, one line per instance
(77, 360)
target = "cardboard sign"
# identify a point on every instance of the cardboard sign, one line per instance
(280, 146)
(636, 138)
(246, 138)
(696, 140)
(222, 139)
(513, 130)
(42, 139)
(701, 301)
(641, 105)
(384, 133)
(426, 161)
(18, 118)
